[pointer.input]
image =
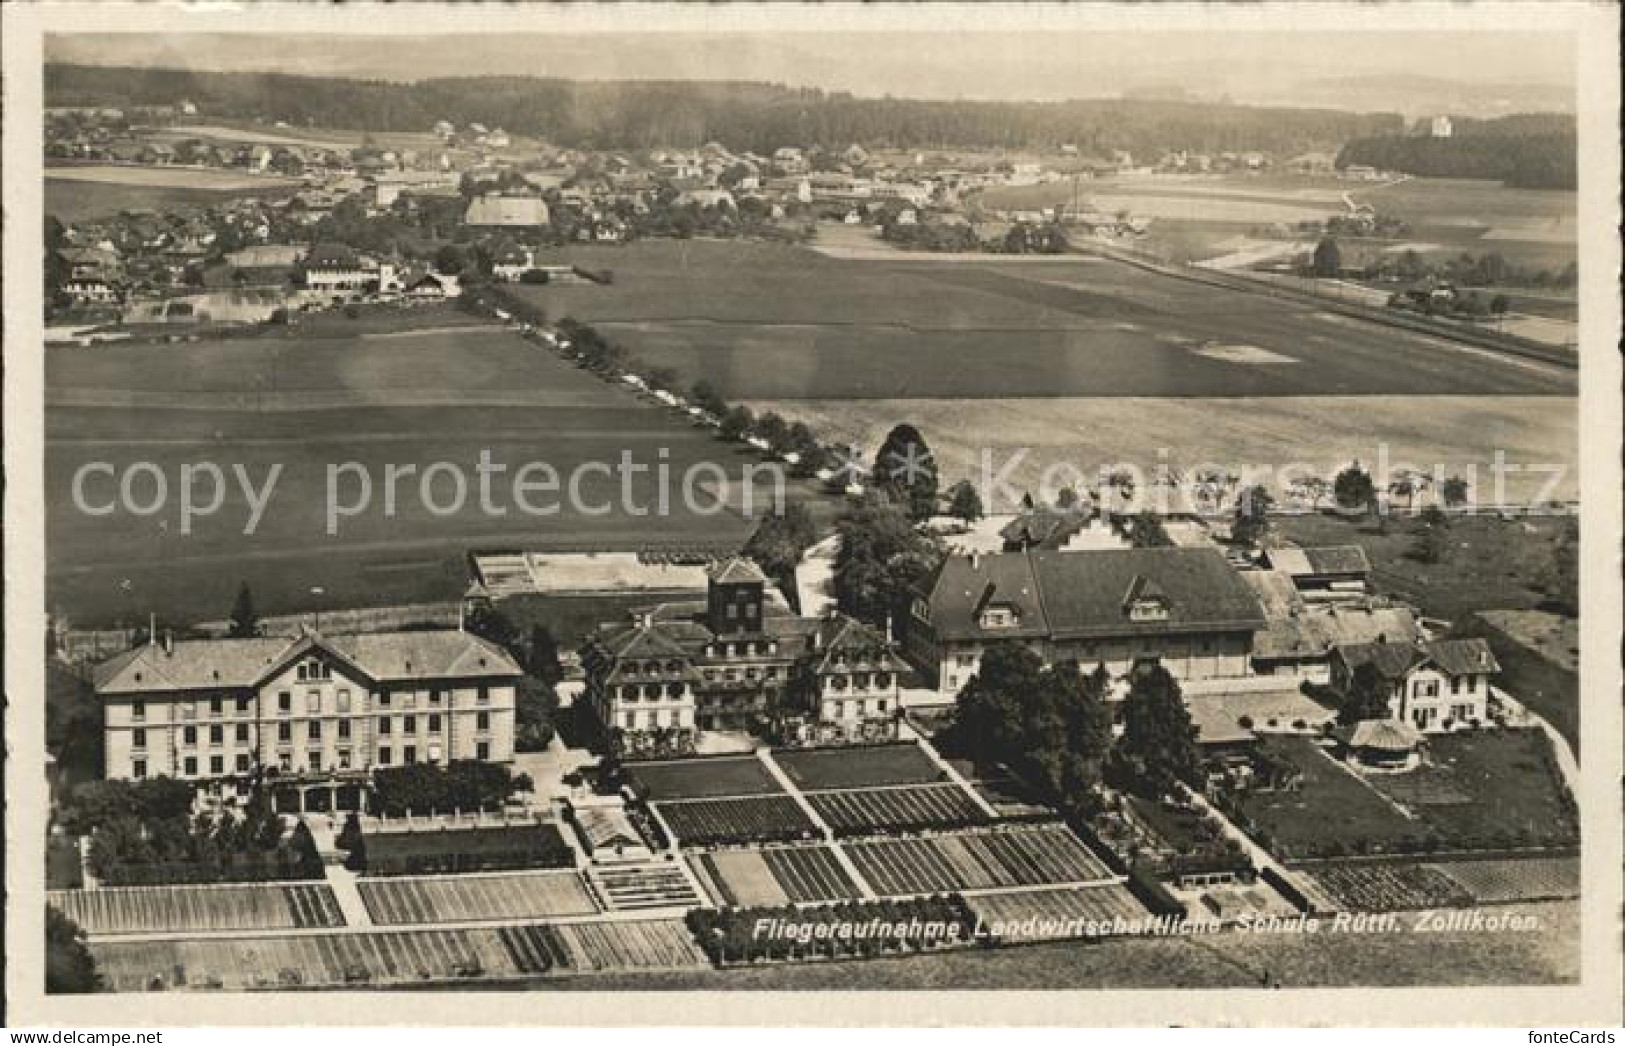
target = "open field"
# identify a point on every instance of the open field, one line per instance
(815, 768)
(475, 898)
(1192, 214)
(1332, 807)
(897, 808)
(1323, 433)
(1546, 685)
(769, 322)
(308, 404)
(181, 909)
(976, 861)
(1547, 954)
(1527, 879)
(703, 778)
(77, 193)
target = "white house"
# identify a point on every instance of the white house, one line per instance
(1432, 686)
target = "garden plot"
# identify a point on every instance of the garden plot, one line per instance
(775, 877)
(329, 960)
(1037, 915)
(1521, 879)
(1370, 886)
(867, 767)
(988, 860)
(190, 909)
(907, 808)
(663, 944)
(720, 822)
(705, 778)
(475, 898)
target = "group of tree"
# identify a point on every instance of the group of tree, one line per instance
(1053, 726)
(1145, 530)
(1544, 155)
(619, 114)
(1491, 269)
(1432, 535)
(463, 785)
(779, 542)
(906, 470)
(882, 558)
(1049, 724)
(69, 966)
(144, 835)
(536, 700)
(1252, 517)
(965, 502)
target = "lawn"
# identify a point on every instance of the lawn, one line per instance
(705, 778)
(1332, 808)
(307, 404)
(1488, 786)
(1489, 563)
(1544, 682)
(815, 768)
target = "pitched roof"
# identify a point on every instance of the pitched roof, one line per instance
(966, 585)
(736, 570)
(1388, 735)
(1315, 633)
(1332, 559)
(839, 634)
(200, 664)
(1041, 528)
(1453, 657)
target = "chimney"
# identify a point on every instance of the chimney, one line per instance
(152, 629)
(169, 642)
(975, 559)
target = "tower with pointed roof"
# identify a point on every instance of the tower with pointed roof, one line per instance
(734, 597)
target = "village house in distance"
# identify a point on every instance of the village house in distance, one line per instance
(315, 713)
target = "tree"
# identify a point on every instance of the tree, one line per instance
(905, 467)
(69, 966)
(542, 659)
(1145, 530)
(1252, 515)
(1455, 491)
(1158, 748)
(779, 542)
(1353, 488)
(736, 424)
(964, 503)
(1433, 539)
(705, 396)
(1562, 582)
(245, 623)
(536, 706)
(1366, 697)
(1328, 259)
(1066, 498)
(492, 625)
(881, 557)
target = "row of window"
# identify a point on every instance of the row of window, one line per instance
(860, 680)
(652, 691)
(1430, 687)
(313, 730)
(242, 763)
(657, 719)
(745, 648)
(858, 709)
(284, 703)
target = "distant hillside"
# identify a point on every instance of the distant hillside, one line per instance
(1526, 151)
(1416, 95)
(756, 116)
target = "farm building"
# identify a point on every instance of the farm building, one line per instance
(332, 267)
(1183, 607)
(318, 712)
(1334, 572)
(1300, 641)
(1433, 686)
(736, 661)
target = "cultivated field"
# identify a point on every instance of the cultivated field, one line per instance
(306, 404)
(769, 322)
(976, 861)
(819, 768)
(182, 909)
(475, 898)
(1523, 879)
(1065, 912)
(1365, 886)
(78, 193)
(897, 808)
(705, 778)
(776, 876)
(723, 822)
(657, 944)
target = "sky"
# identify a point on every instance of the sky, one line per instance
(1247, 66)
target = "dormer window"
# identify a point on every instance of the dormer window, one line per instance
(1148, 610)
(999, 615)
(922, 611)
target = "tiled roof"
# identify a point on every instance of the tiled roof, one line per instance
(1086, 593)
(1388, 735)
(839, 634)
(198, 664)
(1453, 657)
(1315, 633)
(1333, 559)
